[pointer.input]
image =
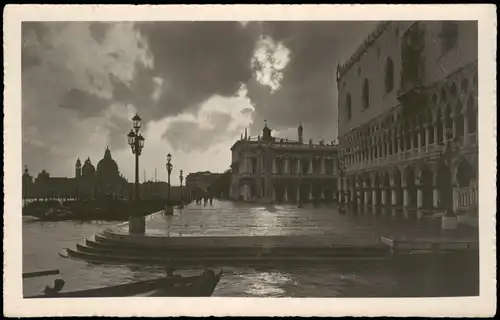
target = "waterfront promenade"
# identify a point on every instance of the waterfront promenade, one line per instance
(286, 224)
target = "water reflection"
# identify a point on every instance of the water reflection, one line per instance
(42, 241)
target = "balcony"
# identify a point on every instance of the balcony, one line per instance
(428, 151)
(412, 70)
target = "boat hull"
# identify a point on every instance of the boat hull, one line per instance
(177, 286)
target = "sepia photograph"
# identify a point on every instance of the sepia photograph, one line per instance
(250, 158)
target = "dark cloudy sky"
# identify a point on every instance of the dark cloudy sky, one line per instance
(197, 85)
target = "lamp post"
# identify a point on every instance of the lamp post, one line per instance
(169, 209)
(137, 223)
(180, 179)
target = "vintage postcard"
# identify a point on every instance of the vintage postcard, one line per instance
(300, 160)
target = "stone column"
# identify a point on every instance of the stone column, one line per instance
(395, 142)
(310, 191)
(310, 170)
(427, 134)
(466, 128)
(412, 141)
(419, 140)
(444, 129)
(248, 192)
(420, 197)
(322, 195)
(406, 197)
(285, 166)
(285, 194)
(275, 169)
(394, 196)
(353, 191)
(420, 201)
(322, 165)
(374, 197)
(274, 192)
(367, 196)
(383, 196)
(298, 190)
(454, 124)
(434, 127)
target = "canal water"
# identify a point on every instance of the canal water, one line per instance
(456, 276)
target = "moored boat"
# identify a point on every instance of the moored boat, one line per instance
(171, 286)
(54, 214)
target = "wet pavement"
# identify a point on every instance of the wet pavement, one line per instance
(225, 218)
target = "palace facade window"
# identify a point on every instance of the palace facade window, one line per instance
(366, 94)
(389, 75)
(348, 107)
(449, 35)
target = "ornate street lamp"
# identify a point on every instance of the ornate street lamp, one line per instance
(169, 210)
(137, 223)
(181, 178)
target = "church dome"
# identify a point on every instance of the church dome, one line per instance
(107, 166)
(88, 168)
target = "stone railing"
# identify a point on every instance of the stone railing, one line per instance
(304, 176)
(393, 159)
(465, 198)
(304, 146)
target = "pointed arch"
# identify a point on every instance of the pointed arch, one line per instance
(464, 173)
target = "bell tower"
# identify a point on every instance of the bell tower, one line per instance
(301, 133)
(266, 132)
(78, 168)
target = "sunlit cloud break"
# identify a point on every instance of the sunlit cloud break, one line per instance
(268, 62)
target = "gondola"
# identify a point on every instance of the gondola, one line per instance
(54, 215)
(171, 286)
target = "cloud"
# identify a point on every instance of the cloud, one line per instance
(247, 111)
(307, 91)
(198, 60)
(84, 103)
(195, 83)
(67, 81)
(219, 119)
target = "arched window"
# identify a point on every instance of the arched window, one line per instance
(366, 94)
(348, 107)
(389, 75)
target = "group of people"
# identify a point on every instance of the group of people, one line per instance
(205, 200)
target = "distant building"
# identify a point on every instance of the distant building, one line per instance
(199, 182)
(88, 183)
(406, 93)
(273, 169)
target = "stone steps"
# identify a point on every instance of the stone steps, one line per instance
(111, 247)
(115, 250)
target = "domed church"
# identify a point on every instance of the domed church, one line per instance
(89, 182)
(103, 181)
(108, 178)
